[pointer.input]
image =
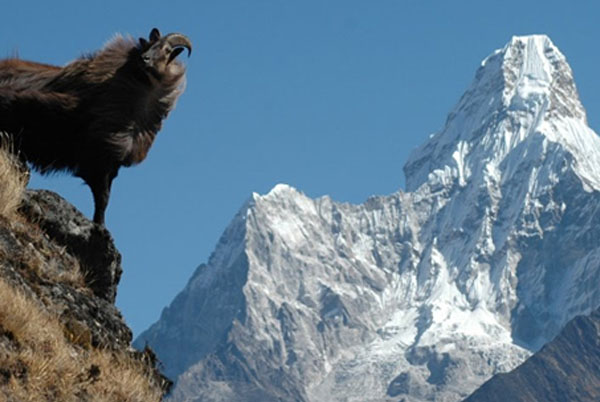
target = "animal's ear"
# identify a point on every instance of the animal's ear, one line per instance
(143, 43)
(154, 35)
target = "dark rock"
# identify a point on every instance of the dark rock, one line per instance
(566, 369)
(17, 370)
(90, 243)
(399, 385)
(7, 340)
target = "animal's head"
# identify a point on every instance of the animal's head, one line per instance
(158, 52)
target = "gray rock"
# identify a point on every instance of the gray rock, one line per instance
(89, 243)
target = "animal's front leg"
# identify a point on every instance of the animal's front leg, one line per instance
(100, 186)
(101, 192)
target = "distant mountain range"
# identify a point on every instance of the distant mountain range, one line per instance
(419, 295)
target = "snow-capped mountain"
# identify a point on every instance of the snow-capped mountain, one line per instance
(420, 295)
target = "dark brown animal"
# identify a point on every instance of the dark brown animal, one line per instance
(97, 113)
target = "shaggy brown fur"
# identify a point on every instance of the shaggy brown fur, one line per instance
(97, 113)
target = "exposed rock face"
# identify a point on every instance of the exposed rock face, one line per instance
(90, 244)
(420, 295)
(566, 369)
(67, 242)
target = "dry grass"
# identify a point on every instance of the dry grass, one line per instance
(12, 183)
(40, 360)
(39, 257)
(52, 264)
(34, 252)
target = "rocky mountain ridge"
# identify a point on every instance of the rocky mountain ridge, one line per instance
(419, 295)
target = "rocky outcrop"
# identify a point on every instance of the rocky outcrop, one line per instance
(64, 271)
(90, 244)
(46, 253)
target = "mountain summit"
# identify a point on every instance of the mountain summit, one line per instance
(521, 92)
(421, 295)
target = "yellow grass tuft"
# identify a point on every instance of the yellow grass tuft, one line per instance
(13, 181)
(39, 363)
(36, 255)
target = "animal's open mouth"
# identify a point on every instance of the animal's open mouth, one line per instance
(176, 52)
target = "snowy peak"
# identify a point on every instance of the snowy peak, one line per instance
(281, 191)
(522, 92)
(526, 63)
(536, 73)
(528, 73)
(530, 55)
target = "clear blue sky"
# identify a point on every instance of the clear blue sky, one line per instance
(327, 96)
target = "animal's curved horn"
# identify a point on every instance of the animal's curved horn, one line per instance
(176, 40)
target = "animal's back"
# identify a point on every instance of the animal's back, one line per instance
(20, 75)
